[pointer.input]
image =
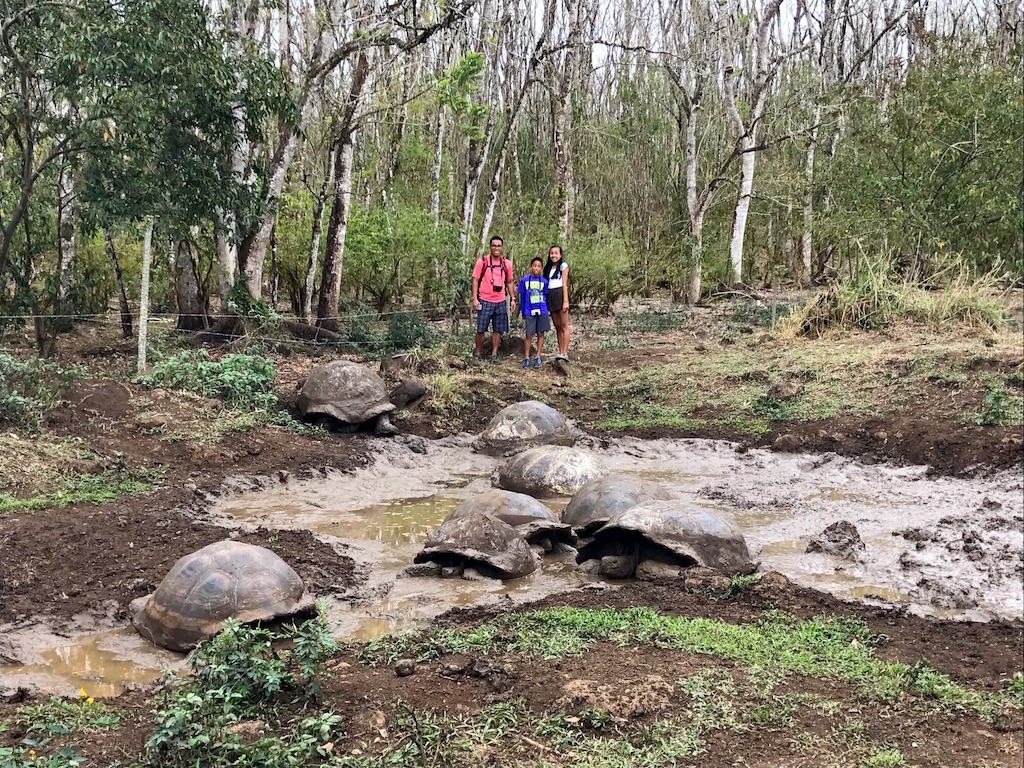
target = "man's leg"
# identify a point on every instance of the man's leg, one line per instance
(479, 344)
(495, 343)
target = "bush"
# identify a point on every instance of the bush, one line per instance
(28, 388)
(407, 330)
(245, 382)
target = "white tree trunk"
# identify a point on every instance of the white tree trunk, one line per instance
(739, 222)
(475, 162)
(435, 176)
(806, 241)
(695, 213)
(147, 250)
(66, 225)
(492, 200)
(344, 182)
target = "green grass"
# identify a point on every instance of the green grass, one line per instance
(834, 647)
(58, 716)
(97, 489)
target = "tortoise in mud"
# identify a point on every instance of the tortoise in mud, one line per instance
(531, 519)
(524, 424)
(222, 580)
(659, 538)
(493, 548)
(345, 396)
(549, 470)
(596, 502)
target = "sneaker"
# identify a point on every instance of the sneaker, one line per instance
(536, 363)
(494, 360)
(562, 357)
(477, 358)
(526, 362)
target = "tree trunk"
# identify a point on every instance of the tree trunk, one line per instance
(435, 175)
(476, 158)
(227, 256)
(695, 213)
(739, 221)
(147, 252)
(806, 240)
(122, 298)
(564, 182)
(188, 292)
(66, 225)
(275, 268)
(314, 254)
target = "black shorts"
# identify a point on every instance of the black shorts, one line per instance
(537, 324)
(554, 300)
(492, 313)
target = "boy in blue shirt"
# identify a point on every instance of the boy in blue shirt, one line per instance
(533, 294)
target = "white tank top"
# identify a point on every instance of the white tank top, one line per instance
(555, 281)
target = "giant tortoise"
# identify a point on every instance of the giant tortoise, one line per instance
(521, 425)
(548, 470)
(344, 395)
(222, 580)
(670, 532)
(534, 522)
(595, 503)
(494, 548)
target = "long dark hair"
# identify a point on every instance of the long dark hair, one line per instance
(550, 263)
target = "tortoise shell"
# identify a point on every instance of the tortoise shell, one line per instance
(694, 535)
(519, 425)
(480, 539)
(549, 470)
(596, 502)
(345, 391)
(529, 517)
(222, 580)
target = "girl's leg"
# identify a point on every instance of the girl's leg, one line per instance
(563, 337)
(556, 320)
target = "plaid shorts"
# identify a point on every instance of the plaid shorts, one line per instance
(492, 312)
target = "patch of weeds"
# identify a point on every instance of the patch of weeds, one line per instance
(407, 330)
(615, 343)
(30, 753)
(713, 701)
(60, 717)
(446, 395)
(739, 583)
(245, 382)
(236, 676)
(650, 321)
(851, 732)
(760, 314)
(28, 388)
(772, 408)
(754, 427)
(96, 489)
(886, 757)
(649, 415)
(996, 408)
(773, 714)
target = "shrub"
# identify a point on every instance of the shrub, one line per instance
(244, 381)
(407, 330)
(27, 388)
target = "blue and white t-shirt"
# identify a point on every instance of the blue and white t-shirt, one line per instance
(533, 292)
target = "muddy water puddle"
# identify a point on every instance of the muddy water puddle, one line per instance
(945, 547)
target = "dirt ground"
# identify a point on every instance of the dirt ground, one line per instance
(79, 565)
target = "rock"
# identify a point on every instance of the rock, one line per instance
(561, 366)
(592, 567)
(395, 363)
(405, 667)
(841, 539)
(771, 581)
(423, 569)
(787, 442)
(416, 444)
(451, 572)
(7, 652)
(701, 579)
(148, 422)
(408, 391)
(654, 570)
(283, 475)
(617, 566)
(784, 390)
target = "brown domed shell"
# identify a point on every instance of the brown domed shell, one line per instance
(596, 502)
(528, 516)
(549, 470)
(346, 391)
(222, 580)
(525, 424)
(471, 540)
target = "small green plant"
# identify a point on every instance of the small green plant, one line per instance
(239, 675)
(887, 757)
(996, 408)
(60, 717)
(246, 382)
(29, 387)
(241, 302)
(772, 408)
(407, 330)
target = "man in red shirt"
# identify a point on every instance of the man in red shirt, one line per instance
(492, 282)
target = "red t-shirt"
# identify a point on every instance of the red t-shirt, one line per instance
(490, 272)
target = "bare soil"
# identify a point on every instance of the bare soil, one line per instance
(85, 562)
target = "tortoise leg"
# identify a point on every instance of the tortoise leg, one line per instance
(383, 426)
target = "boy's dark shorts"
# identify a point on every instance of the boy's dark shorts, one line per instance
(537, 324)
(492, 312)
